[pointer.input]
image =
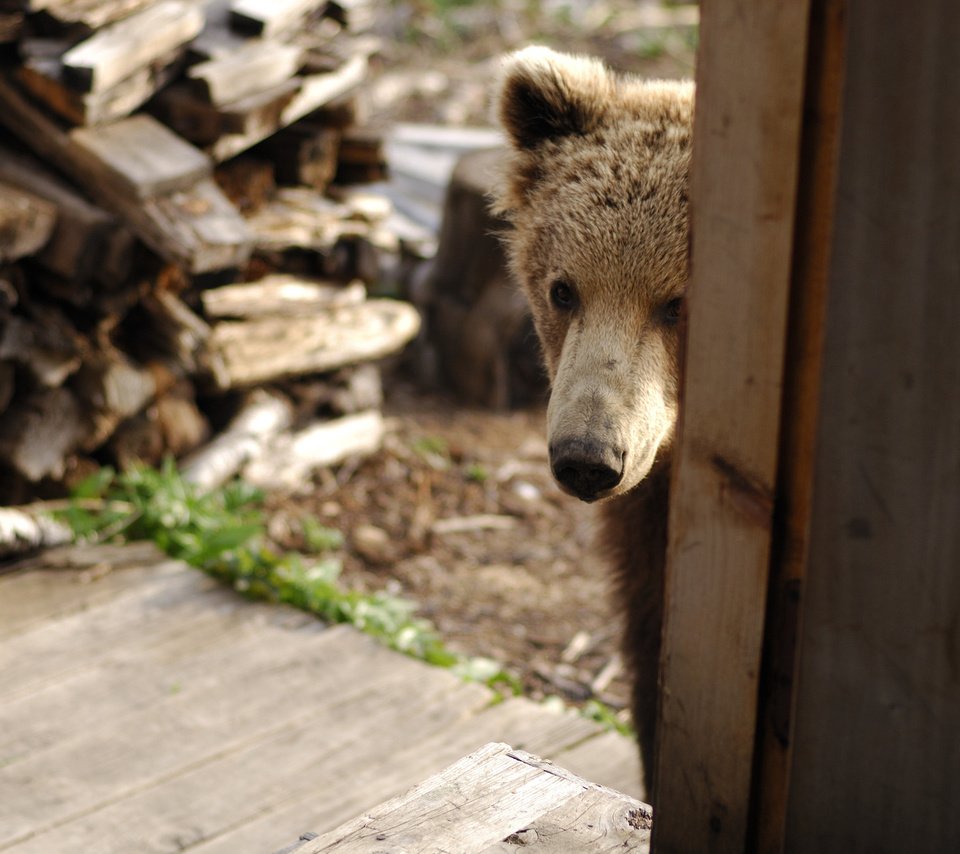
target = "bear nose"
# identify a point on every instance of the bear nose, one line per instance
(586, 468)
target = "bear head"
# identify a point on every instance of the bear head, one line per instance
(595, 188)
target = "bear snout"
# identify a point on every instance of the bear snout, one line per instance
(585, 468)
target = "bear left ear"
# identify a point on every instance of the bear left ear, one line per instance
(544, 95)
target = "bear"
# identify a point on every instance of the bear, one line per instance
(593, 189)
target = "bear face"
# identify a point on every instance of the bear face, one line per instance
(595, 188)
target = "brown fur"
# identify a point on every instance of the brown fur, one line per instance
(596, 190)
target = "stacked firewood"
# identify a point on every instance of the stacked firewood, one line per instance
(187, 247)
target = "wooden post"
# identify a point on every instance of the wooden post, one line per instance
(747, 135)
(876, 754)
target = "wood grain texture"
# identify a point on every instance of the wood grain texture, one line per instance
(808, 297)
(750, 78)
(143, 707)
(876, 765)
(496, 799)
(121, 49)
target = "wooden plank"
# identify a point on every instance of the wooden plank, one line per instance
(328, 742)
(811, 269)
(484, 799)
(315, 91)
(252, 68)
(750, 78)
(92, 14)
(83, 232)
(66, 580)
(279, 294)
(195, 227)
(141, 156)
(119, 50)
(876, 758)
(256, 351)
(267, 18)
(42, 76)
(26, 222)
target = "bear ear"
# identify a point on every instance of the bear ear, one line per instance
(544, 95)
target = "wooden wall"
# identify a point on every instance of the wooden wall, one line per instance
(818, 458)
(876, 753)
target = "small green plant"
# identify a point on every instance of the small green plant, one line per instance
(476, 473)
(600, 712)
(318, 537)
(222, 532)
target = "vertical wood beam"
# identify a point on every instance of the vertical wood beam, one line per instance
(876, 757)
(808, 296)
(750, 79)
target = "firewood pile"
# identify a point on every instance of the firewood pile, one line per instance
(187, 247)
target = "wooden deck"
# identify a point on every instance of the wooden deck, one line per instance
(145, 708)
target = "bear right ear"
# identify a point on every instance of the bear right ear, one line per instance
(544, 95)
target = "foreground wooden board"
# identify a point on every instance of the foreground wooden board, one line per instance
(197, 227)
(496, 799)
(143, 707)
(258, 351)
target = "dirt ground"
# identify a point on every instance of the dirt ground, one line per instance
(459, 512)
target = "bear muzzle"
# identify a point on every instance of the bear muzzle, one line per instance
(585, 468)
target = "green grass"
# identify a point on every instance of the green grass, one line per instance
(222, 533)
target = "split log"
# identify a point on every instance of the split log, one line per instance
(289, 460)
(38, 433)
(264, 414)
(26, 222)
(196, 227)
(267, 18)
(140, 157)
(121, 49)
(46, 345)
(305, 154)
(254, 67)
(112, 388)
(279, 295)
(272, 348)
(43, 77)
(314, 91)
(173, 332)
(91, 14)
(300, 218)
(344, 392)
(24, 530)
(87, 242)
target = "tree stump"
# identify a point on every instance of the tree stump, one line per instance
(478, 319)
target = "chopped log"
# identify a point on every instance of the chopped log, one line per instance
(305, 154)
(248, 182)
(272, 348)
(92, 14)
(24, 530)
(112, 388)
(196, 227)
(314, 91)
(43, 78)
(252, 68)
(288, 461)
(87, 242)
(141, 157)
(281, 295)
(266, 18)
(362, 159)
(297, 218)
(26, 222)
(123, 48)
(345, 392)
(174, 332)
(264, 414)
(47, 345)
(39, 431)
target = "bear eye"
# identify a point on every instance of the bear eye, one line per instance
(563, 296)
(672, 311)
